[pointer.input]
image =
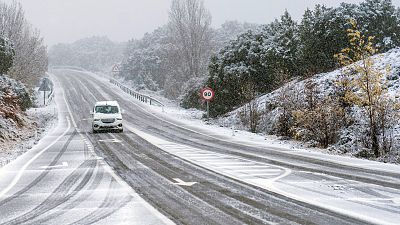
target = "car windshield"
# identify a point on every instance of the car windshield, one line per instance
(106, 109)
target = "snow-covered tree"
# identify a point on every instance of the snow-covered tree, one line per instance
(30, 59)
(286, 45)
(191, 33)
(378, 18)
(6, 55)
(152, 61)
(262, 58)
(242, 62)
(323, 34)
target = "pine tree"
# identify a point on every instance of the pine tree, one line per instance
(378, 18)
(286, 39)
(322, 34)
(306, 51)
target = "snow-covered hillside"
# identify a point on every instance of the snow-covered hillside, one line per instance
(20, 128)
(270, 105)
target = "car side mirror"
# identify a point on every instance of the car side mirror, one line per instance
(91, 113)
(123, 111)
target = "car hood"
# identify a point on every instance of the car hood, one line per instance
(107, 116)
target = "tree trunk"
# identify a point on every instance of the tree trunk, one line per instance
(374, 140)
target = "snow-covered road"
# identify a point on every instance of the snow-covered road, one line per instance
(184, 172)
(362, 189)
(62, 181)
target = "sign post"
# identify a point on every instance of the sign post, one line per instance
(207, 94)
(44, 87)
(208, 110)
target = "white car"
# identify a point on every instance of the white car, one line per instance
(107, 116)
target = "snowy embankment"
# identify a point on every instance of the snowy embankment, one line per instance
(21, 130)
(325, 86)
(231, 123)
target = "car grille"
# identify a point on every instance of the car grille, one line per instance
(108, 120)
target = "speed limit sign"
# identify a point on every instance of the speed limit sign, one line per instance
(207, 94)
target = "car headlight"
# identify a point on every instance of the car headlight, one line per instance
(119, 118)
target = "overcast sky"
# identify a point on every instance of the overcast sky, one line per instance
(121, 20)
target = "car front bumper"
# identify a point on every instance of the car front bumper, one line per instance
(99, 125)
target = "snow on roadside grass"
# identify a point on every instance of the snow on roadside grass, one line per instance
(39, 121)
(193, 118)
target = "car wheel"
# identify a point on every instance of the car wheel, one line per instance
(94, 131)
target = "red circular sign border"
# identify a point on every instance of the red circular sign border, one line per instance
(205, 89)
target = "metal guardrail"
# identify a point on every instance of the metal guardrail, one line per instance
(137, 95)
(68, 67)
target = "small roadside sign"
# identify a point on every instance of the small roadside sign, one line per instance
(44, 86)
(116, 68)
(207, 94)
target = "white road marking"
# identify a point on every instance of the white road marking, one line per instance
(394, 200)
(22, 170)
(199, 154)
(255, 171)
(196, 157)
(110, 141)
(64, 164)
(256, 175)
(220, 160)
(249, 167)
(228, 163)
(183, 183)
